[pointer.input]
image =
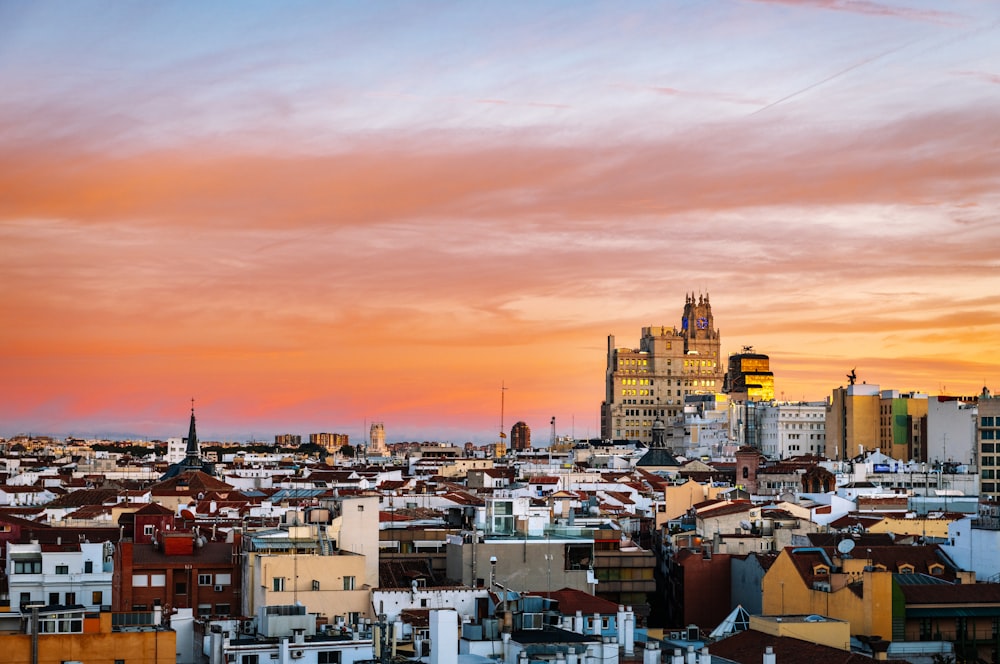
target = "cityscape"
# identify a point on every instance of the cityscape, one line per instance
(709, 519)
(500, 333)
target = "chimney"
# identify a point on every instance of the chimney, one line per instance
(444, 636)
(651, 655)
(769, 656)
(692, 656)
(704, 657)
(626, 633)
(578, 622)
(596, 627)
(677, 657)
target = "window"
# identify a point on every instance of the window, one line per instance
(251, 659)
(25, 598)
(278, 584)
(61, 623)
(328, 657)
(204, 579)
(158, 580)
(27, 567)
(70, 599)
(222, 610)
(97, 598)
(223, 579)
(148, 529)
(348, 583)
(180, 588)
(62, 569)
(53, 598)
(204, 609)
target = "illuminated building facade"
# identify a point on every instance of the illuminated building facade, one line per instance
(750, 373)
(649, 383)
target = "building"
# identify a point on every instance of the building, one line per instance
(853, 419)
(325, 558)
(61, 634)
(649, 383)
(790, 429)
(178, 570)
(287, 440)
(951, 430)
(70, 575)
(988, 443)
(520, 436)
(749, 374)
(331, 442)
(903, 425)
(376, 439)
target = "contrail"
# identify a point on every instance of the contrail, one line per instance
(832, 76)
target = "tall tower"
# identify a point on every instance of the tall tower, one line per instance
(376, 439)
(650, 382)
(520, 436)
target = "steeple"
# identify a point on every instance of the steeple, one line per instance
(192, 454)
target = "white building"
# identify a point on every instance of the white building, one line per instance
(81, 577)
(951, 430)
(789, 429)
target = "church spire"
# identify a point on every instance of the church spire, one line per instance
(192, 455)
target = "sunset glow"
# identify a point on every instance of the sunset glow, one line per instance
(309, 216)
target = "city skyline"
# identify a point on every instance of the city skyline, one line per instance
(313, 216)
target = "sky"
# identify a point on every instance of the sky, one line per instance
(309, 216)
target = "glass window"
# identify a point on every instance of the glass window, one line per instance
(204, 579)
(328, 657)
(278, 584)
(97, 598)
(62, 569)
(348, 583)
(88, 567)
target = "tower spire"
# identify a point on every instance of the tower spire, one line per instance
(192, 454)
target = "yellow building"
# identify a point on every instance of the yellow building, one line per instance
(857, 586)
(853, 421)
(325, 558)
(77, 635)
(918, 526)
(813, 628)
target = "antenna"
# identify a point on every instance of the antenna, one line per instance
(503, 389)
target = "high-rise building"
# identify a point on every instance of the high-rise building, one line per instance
(520, 436)
(988, 441)
(649, 383)
(287, 440)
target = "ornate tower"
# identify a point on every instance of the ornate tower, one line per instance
(376, 439)
(192, 452)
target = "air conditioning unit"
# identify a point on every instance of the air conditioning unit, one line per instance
(675, 636)
(297, 654)
(218, 589)
(248, 627)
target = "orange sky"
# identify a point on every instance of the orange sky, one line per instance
(303, 243)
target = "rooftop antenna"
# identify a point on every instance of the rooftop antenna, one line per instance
(503, 388)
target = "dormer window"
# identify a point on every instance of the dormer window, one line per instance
(936, 569)
(821, 570)
(905, 568)
(880, 568)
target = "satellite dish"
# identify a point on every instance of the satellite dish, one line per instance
(845, 546)
(745, 525)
